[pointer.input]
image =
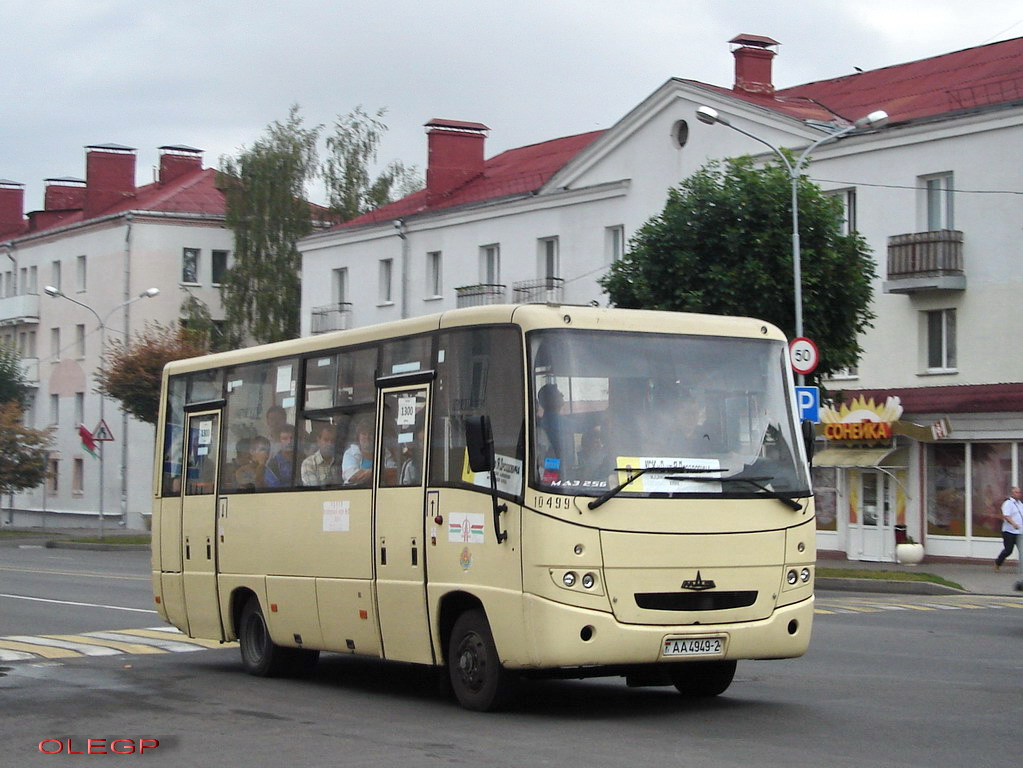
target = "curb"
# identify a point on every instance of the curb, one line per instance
(108, 547)
(834, 584)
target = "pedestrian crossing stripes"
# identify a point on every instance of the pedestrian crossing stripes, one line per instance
(111, 643)
(831, 605)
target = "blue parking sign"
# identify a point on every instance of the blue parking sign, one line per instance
(808, 401)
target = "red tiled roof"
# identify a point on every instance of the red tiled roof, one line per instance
(967, 398)
(968, 79)
(515, 172)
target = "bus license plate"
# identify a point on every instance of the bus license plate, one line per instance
(693, 646)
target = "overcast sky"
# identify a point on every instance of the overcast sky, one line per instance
(213, 73)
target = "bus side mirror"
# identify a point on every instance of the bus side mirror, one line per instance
(808, 439)
(479, 441)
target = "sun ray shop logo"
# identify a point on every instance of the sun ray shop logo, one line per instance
(862, 421)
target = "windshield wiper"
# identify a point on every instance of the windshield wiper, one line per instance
(788, 501)
(636, 473)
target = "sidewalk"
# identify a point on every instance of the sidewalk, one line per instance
(976, 577)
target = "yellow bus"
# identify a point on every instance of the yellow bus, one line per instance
(506, 492)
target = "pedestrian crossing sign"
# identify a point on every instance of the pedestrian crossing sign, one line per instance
(102, 433)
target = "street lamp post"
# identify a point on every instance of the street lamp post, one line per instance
(102, 321)
(873, 120)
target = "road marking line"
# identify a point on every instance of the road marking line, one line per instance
(82, 574)
(132, 635)
(52, 642)
(160, 633)
(123, 647)
(80, 605)
(38, 650)
(16, 655)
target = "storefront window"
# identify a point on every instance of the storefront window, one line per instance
(825, 493)
(946, 489)
(991, 470)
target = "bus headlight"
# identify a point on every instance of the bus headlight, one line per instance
(569, 579)
(804, 575)
(589, 580)
(792, 577)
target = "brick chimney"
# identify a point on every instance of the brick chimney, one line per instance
(109, 177)
(753, 64)
(177, 161)
(12, 206)
(62, 194)
(455, 156)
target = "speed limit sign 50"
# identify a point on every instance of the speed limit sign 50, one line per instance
(804, 354)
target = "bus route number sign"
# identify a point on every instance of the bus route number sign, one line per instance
(804, 354)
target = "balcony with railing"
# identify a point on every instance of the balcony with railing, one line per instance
(15, 310)
(331, 317)
(542, 291)
(30, 368)
(925, 261)
(479, 295)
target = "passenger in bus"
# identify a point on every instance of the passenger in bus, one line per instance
(412, 462)
(276, 419)
(252, 475)
(554, 436)
(321, 467)
(357, 461)
(280, 467)
(594, 459)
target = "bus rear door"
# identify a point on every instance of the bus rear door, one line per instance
(399, 515)
(199, 525)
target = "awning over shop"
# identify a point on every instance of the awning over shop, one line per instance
(862, 457)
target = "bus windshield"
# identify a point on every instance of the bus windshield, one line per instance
(700, 415)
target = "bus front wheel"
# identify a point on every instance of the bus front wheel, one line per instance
(479, 681)
(703, 679)
(261, 656)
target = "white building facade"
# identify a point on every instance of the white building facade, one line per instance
(102, 243)
(936, 194)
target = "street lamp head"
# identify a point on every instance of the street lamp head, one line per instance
(875, 119)
(709, 116)
(149, 293)
(49, 290)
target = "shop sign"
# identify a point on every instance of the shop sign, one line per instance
(863, 422)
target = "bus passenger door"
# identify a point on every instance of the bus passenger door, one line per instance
(199, 525)
(399, 516)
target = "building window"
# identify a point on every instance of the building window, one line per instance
(218, 266)
(55, 344)
(54, 409)
(79, 407)
(941, 339)
(434, 286)
(77, 476)
(384, 285)
(80, 341)
(55, 274)
(851, 372)
(614, 244)
(938, 196)
(53, 476)
(548, 266)
(847, 199)
(490, 264)
(80, 274)
(190, 266)
(33, 280)
(339, 286)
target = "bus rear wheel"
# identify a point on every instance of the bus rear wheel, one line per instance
(479, 681)
(703, 679)
(261, 656)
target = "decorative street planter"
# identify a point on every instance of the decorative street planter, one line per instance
(909, 554)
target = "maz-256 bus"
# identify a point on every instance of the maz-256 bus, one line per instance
(506, 492)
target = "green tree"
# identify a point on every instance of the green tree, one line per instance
(22, 451)
(131, 370)
(352, 149)
(723, 245)
(264, 188)
(13, 386)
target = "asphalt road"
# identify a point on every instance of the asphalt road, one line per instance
(889, 680)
